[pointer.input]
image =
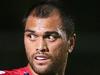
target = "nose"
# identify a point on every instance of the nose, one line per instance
(42, 46)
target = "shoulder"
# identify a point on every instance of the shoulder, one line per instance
(2, 72)
(19, 71)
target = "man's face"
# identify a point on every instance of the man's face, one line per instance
(46, 50)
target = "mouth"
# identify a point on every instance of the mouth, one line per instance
(41, 58)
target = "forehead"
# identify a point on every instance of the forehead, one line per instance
(50, 22)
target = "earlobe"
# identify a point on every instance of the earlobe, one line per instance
(70, 50)
(71, 43)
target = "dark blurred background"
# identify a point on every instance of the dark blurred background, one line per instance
(84, 60)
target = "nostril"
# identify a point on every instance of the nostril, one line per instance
(37, 49)
(42, 50)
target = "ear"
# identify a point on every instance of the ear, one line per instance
(71, 42)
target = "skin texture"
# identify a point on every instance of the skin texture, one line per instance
(46, 50)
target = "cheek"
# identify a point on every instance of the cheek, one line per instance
(29, 47)
(58, 49)
(59, 52)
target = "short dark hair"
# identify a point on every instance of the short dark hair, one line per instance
(45, 8)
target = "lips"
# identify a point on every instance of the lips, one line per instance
(41, 57)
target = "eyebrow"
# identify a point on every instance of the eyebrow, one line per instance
(46, 33)
(28, 30)
(51, 32)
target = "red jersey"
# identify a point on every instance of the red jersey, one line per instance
(19, 71)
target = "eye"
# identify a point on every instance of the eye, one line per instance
(52, 37)
(32, 37)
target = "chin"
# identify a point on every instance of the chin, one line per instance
(43, 69)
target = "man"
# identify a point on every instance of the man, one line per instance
(49, 37)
